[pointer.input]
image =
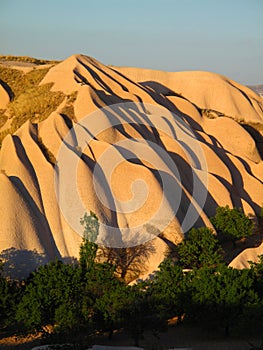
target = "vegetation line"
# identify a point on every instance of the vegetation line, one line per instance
(194, 283)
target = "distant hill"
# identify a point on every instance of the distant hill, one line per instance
(257, 88)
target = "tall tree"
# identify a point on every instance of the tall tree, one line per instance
(200, 248)
(129, 261)
(220, 296)
(88, 248)
(168, 291)
(136, 312)
(232, 224)
(9, 296)
(51, 289)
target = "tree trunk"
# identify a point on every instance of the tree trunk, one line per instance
(110, 334)
(227, 331)
(136, 342)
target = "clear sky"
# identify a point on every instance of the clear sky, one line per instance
(222, 36)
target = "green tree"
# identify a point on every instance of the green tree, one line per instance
(62, 294)
(136, 312)
(108, 308)
(232, 224)
(200, 248)
(129, 261)
(103, 293)
(257, 268)
(4, 296)
(51, 289)
(168, 291)
(9, 296)
(88, 248)
(220, 296)
(254, 311)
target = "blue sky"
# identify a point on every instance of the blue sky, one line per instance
(222, 36)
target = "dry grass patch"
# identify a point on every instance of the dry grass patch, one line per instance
(68, 109)
(13, 79)
(3, 118)
(4, 133)
(256, 126)
(212, 114)
(36, 104)
(26, 59)
(29, 100)
(47, 153)
(19, 82)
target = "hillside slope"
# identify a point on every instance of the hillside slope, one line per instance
(151, 153)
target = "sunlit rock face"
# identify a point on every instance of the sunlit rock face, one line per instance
(151, 153)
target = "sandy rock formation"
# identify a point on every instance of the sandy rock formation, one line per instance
(4, 97)
(149, 163)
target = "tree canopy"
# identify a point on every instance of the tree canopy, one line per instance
(232, 224)
(200, 248)
(90, 294)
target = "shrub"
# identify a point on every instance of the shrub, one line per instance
(70, 296)
(9, 296)
(51, 289)
(168, 290)
(200, 248)
(221, 296)
(232, 224)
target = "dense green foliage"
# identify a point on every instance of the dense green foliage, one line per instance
(221, 296)
(232, 224)
(89, 295)
(51, 296)
(168, 291)
(200, 248)
(67, 296)
(9, 294)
